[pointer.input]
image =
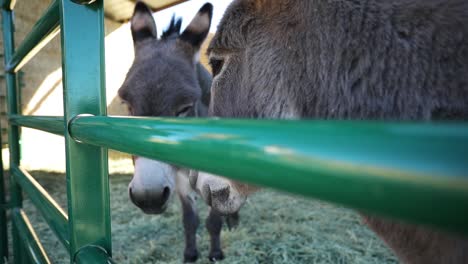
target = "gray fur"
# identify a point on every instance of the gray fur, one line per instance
(204, 80)
(163, 80)
(349, 59)
(404, 60)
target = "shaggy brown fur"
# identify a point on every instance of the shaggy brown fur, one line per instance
(348, 59)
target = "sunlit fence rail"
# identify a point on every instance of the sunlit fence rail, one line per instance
(412, 171)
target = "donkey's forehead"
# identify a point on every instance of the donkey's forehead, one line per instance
(163, 53)
(241, 19)
(163, 68)
(231, 33)
(158, 70)
(156, 48)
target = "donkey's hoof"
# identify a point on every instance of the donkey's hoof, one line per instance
(190, 256)
(216, 256)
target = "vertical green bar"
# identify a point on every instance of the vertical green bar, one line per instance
(3, 208)
(13, 108)
(82, 34)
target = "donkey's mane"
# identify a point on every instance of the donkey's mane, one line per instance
(173, 28)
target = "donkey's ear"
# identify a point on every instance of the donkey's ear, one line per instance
(198, 29)
(142, 23)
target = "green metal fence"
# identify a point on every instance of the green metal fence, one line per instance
(412, 171)
(86, 229)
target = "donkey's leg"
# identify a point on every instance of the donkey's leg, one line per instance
(189, 215)
(214, 222)
(191, 222)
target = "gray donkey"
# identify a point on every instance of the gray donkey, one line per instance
(166, 79)
(343, 59)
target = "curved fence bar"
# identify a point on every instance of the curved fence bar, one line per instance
(46, 28)
(402, 170)
(93, 254)
(32, 246)
(50, 210)
(51, 124)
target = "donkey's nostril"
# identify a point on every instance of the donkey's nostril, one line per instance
(165, 195)
(132, 197)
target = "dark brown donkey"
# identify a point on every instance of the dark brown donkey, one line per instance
(343, 59)
(166, 79)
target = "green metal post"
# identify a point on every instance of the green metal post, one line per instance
(82, 35)
(3, 208)
(13, 108)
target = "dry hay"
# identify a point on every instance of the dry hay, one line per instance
(274, 228)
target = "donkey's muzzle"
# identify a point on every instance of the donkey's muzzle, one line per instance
(151, 185)
(151, 202)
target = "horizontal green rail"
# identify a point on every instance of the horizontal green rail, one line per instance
(417, 172)
(45, 29)
(30, 241)
(50, 210)
(51, 124)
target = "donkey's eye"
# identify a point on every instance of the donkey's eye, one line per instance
(184, 111)
(216, 65)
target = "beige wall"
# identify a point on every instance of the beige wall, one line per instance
(42, 92)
